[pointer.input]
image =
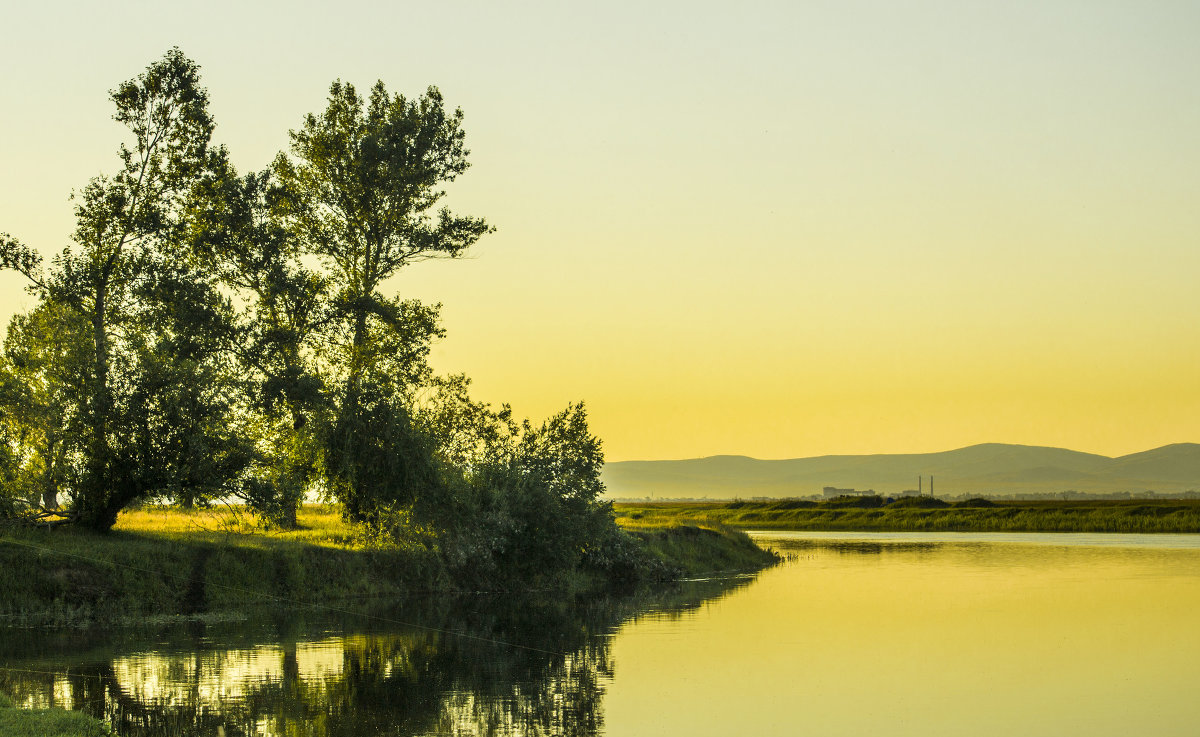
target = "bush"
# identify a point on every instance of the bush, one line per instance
(792, 504)
(977, 501)
(518, 503)
(919, 502)
(854, 502)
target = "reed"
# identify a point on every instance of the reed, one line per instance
(1129, 516)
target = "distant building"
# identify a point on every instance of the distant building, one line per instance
(831, 492)
(909, 492)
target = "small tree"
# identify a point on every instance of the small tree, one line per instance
(183, 426)
(43, 384)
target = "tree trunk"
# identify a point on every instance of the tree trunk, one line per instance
(354, 502)
(50, 480)
(98, 500)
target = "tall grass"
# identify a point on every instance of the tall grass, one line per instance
(1159, 516)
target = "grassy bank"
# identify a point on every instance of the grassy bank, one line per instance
(868, 514)
(168, 562)
(698, 548)
(47, 722)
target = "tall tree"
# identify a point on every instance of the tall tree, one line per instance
(366, 177)
(182, 433)
(124, 226)
(239, 236)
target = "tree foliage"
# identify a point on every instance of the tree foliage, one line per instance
(364, 177)
(43, 387)
(119, 276)
(212, 335)
(520, 499)
(238, 234)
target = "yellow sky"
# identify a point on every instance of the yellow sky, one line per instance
(844, 227)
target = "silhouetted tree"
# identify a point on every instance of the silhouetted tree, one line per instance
(154, 324)
(521, 499)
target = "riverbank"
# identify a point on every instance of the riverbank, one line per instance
(168, 563)
(358, 669)
(925, 514)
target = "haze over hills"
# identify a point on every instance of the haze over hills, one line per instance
(987, 469)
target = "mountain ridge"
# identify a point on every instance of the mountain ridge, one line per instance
(981, 469)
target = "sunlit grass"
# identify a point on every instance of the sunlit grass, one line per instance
(317, 524)
(202, 563)
(695, 545)
(160, 561)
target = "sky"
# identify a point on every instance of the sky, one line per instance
(779, 229)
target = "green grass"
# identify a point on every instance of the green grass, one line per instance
(172, 562)
(1130, 516)
(47, 722)
(698, 548)
(214, 564)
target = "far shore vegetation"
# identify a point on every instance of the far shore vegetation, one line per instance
(925, 514)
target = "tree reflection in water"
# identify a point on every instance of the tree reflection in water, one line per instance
(478, 665)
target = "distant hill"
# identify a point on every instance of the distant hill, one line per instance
(990, 468)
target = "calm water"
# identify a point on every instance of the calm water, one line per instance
(857, 634)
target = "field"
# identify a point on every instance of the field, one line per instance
(925, 514)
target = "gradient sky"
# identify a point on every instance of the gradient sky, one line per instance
(782, 229)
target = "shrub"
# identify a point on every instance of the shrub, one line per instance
(977, 501)
(793, 504)
(855, 502)
(919, 502)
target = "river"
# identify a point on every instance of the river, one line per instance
(855, 634)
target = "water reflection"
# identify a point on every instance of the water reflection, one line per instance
(477, 665)
(919, 637)
(900, 637)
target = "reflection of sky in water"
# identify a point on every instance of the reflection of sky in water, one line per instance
(892, 634)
